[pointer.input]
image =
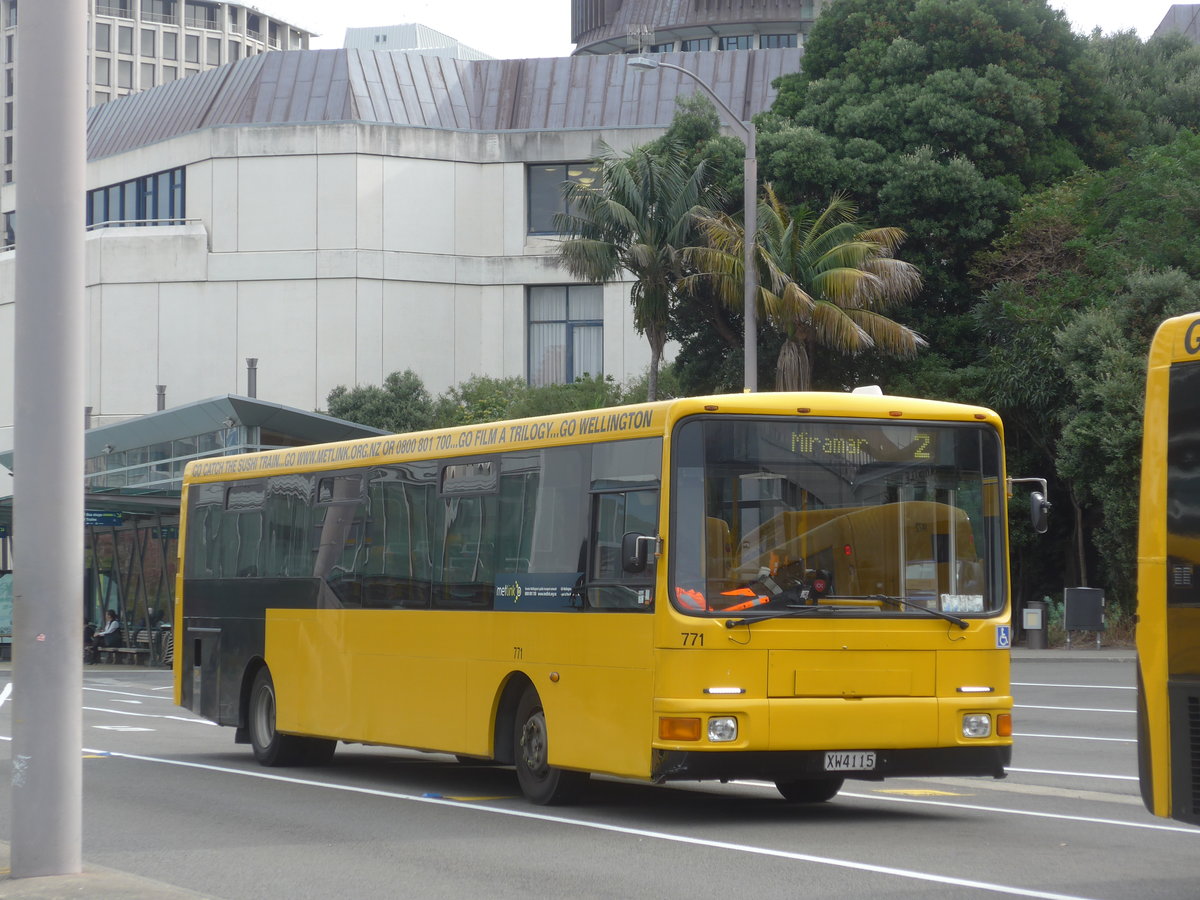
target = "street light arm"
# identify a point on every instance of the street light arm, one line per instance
(745, 129)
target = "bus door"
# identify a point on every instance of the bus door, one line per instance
(624, 541)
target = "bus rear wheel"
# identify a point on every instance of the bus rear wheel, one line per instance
(272, 748)
(541, 782)
(810, 790)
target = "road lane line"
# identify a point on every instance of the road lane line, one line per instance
(1099, 687)
(1072, 774)
(1092, 820)
(1074, 708)
(125, 693)
(927, 877)
(6, 693)
(1075, 737)
(125, 712)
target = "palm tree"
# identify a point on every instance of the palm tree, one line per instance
(637, 215)
(824, 281)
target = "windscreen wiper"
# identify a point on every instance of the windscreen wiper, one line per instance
(908, 604)
(793, 611)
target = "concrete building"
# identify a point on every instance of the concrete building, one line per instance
(1182, 17)
(342, 214)
(137, 44)
(410, 38)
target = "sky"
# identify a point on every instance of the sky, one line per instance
(532, 28)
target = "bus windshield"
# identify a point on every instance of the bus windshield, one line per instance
(840, 518)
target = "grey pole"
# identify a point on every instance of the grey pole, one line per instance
(744, 130)
(48, 439)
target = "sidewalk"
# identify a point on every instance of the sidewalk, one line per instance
(94, 883)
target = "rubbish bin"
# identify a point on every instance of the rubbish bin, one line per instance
(1033, 620)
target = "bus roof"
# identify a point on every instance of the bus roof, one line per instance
(606, 424)
(1176, 340)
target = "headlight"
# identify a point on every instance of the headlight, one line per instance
(722, 729)
(977, 725)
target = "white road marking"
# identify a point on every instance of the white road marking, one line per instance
(6, 693)
(1027, 812)
(633, 832)
(1101, 687)
(125, 712)
(97, 690)
(121, 728)
(1072, 774)
(1076, 737)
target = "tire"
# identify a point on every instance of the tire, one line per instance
(541, 782)
(810, 790)
(272, 748)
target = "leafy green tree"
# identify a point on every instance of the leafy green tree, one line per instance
(480, 398)
(1154, 85)
(824, 280)
(636, 217)
(939, 115)
(401, 404)
(1079, 282)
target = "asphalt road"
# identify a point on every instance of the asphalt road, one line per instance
(172, 802)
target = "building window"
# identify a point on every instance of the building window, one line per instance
(170, 73)
(202, 15)
(103, 76)
(774, 41)
(546, 192)
(191, 48)
(124, 39)
(235, 51)
(160, 11)
(10, 228)
(157, 199)
(170, 45)
(101, 97)
(735, 42)
(214, 51)
(8, 117)
(662, 48)
(148, 41)
(103, 36)
(233, 17)
(696, 44)
(124, 73)
(8, 82)
(566, 333)
(11, 20)
(147, 80)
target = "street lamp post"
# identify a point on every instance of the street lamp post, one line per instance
(745, 131)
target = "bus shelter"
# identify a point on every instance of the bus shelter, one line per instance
(133, 477)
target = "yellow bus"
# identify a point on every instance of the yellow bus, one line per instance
(801, 588)
(1168, 618)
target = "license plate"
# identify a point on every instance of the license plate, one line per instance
(849, 760)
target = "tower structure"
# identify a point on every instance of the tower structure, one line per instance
(137, 44)
(655, 26)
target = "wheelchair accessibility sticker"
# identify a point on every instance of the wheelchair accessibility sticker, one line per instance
(1003, 636)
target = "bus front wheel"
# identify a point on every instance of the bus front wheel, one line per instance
(272, 748)
(809, 790)
(541, 782)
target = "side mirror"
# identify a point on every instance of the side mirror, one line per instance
(1039, 511)
(635, 551)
